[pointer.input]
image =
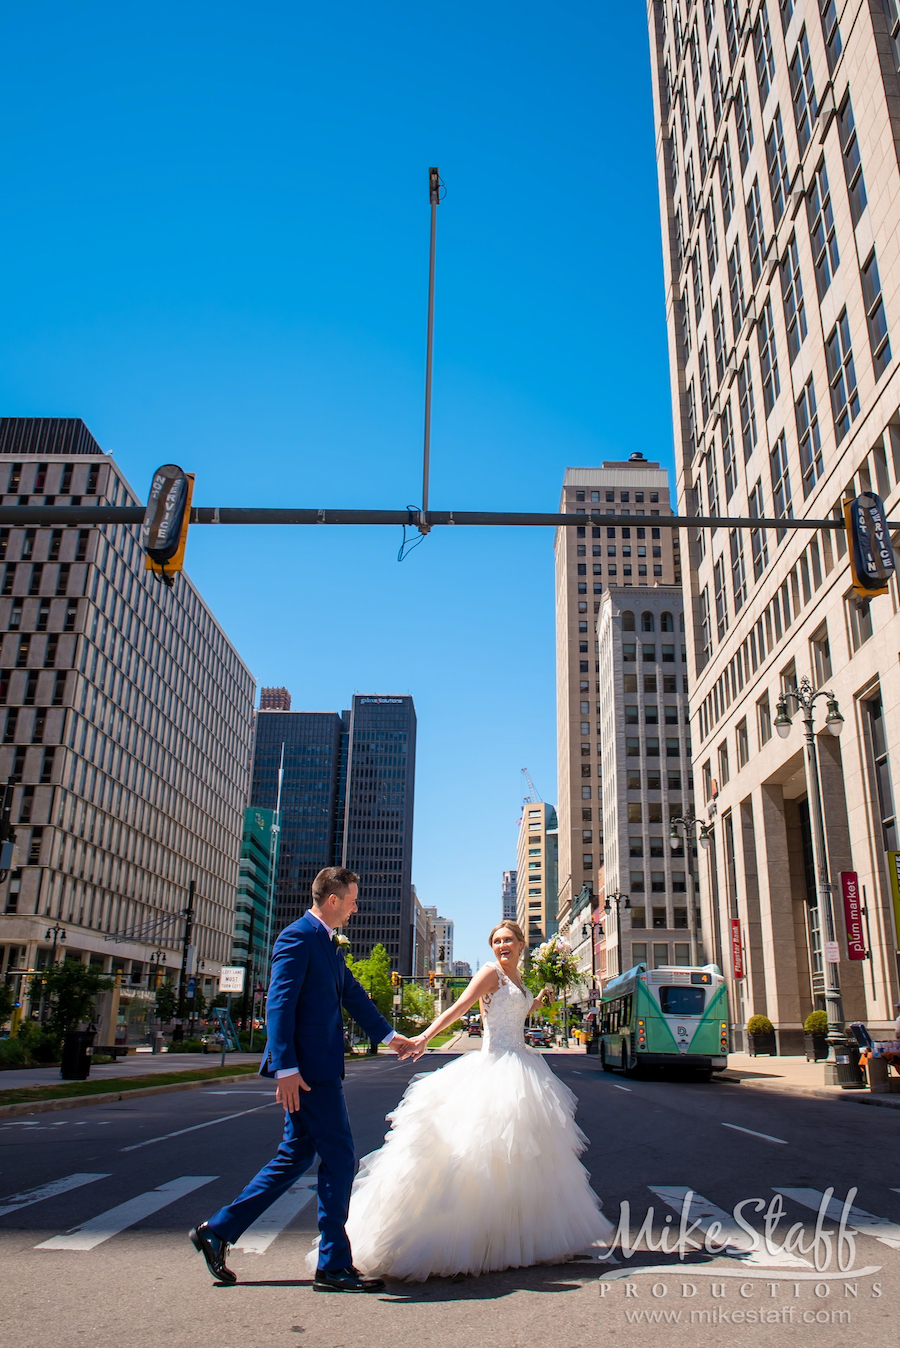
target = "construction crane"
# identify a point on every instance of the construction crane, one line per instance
(533, 796)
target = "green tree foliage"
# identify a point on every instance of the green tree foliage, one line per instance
(70, 990)
(375, 976)
(416, 1009)
(7, 1002)
(166, 1001)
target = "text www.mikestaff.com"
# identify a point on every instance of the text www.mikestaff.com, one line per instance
(718, 1315)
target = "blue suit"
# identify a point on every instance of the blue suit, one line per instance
(310, 984)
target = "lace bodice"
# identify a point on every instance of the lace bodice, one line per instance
(505, 1012)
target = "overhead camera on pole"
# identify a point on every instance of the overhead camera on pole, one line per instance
(164, 529)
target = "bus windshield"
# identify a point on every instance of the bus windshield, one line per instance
(682, 1001)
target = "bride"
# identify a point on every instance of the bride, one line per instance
(480, 1168)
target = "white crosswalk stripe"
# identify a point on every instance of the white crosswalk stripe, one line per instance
(258, 1237)
(60, 1186)
(98, 1229)
(705, 1213)
(866, 1223)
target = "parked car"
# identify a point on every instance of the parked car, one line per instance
(538, 1038)
(474, 1028)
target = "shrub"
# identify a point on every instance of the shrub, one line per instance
(760, 1025)
(816, 1022)
(185, 1046)
(40, 1044)
(12, 1053)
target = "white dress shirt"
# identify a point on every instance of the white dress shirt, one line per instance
(295, 1071)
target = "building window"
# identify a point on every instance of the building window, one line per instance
(776, 161)
(882, 766)
(763, 54)
(712, 483)
(822, 236)
(842, 377)
(743, 122)
(831, 33)
(755, 232)
(721, 599)
(715, 80)
(821, 656)
(803, 92)
(764, 720)
(748, 409)
(875, 316)
(636, 882)
(892, 16)
(726, 184)
(768, 357)
(859, 620)
(736, 288)
(718, 316)
(792, 295)
(856, 187)
(684, 313)
(738, 570)
(729, 464)
(704, 383)
(702, 140)
(781, 482)
(743, 743)
(697, 283)
(712, 242)
(808, 436)
(704, 627)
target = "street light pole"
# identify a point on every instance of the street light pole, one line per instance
(688, 822)
(805, 698)
(621, 901)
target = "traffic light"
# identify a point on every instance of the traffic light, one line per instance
(431, 978)
(869, 543)
(396, 980)
(164, 530)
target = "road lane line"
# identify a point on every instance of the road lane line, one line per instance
(37, 1195)
(753, 1133)
(258, 1237)
(108, 1224)
(179, 1132)
(866, 1223)
(620, 1088)
(704, 1213)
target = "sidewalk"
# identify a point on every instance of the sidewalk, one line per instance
(795, 1076)
(137, 1065)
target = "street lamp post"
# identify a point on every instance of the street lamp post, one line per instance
(689, 822)
(621, 901)
(805, 698)
(57, 934)
(157, 960)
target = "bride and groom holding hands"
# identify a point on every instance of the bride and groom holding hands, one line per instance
(455, 1188)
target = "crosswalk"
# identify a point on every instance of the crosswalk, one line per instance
(702, 1213)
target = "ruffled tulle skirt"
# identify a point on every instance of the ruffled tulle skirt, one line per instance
(479, 1172)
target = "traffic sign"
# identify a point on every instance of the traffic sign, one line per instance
(231, 979)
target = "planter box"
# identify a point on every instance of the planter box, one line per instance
(763, 1045)
(815, 1046)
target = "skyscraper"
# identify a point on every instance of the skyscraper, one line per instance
(776, 135)
(537, 872)
(591, 558)
(508, 896)
(254, 888)
(347, 797)
(126, 716)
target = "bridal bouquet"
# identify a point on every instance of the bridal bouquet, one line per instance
(554, 963)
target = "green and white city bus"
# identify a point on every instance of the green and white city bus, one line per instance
(669, 1017)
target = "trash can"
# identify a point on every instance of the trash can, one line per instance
(159, 1042)
(76, 1055)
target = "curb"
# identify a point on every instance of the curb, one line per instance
(817, 1093)
(110, 1097)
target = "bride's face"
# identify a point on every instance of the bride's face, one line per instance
(506, 947)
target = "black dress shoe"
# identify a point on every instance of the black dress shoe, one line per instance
(345, 1280)
(214, 1251)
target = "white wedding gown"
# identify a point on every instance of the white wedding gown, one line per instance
(480, 1169)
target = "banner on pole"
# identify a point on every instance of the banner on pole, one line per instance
(737, 952)
(894, 868)
(856, 946)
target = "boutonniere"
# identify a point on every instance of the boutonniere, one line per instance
(343, 944)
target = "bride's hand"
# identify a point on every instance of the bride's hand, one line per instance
(420, 1044)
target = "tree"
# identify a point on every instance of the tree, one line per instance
(166, 1001)
(71, 989)
(7, 1002)
(416, 1009)
(375, 976)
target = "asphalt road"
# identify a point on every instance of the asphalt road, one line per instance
(95, 1205)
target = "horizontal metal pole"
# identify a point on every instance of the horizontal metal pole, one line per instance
(55, 516)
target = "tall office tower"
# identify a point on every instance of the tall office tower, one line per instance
(591, 557)
(647, 782)
(461, 969)
(537, 872)
(308, 744)
(274, 699)
(422, 955)
(508, 896)
(777, 127)
(251, 910)
(126, 724)
(378, 823)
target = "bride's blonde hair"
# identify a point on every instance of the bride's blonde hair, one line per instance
(506, 926)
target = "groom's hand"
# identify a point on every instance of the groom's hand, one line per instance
(404, 1048)
(287, 1091)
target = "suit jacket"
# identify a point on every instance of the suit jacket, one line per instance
(310, 984)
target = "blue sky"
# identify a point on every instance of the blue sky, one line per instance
(214, 250)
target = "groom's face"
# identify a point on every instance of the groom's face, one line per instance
(344, 907)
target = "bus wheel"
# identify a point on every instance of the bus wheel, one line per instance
(607, 1067)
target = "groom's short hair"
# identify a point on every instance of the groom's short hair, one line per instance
(333, 880)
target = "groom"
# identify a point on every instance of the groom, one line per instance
(305, 1053)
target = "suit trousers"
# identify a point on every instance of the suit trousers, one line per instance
(320, 1126)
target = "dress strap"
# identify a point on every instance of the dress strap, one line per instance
(504, 978)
